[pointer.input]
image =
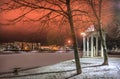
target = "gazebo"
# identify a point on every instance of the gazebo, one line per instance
(92, 47)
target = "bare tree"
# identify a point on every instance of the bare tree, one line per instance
(96, 9)
(49, 10)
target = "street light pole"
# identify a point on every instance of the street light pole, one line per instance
(84, 43)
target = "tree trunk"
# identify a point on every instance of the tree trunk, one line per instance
(104, 50)
(70, 18)
(104, 45)
(98, 18)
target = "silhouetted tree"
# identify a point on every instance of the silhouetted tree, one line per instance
(49, 10)
(96, 10)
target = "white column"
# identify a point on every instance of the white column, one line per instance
(91, 46)
(96, 45)
(84, 46)
(88, 46)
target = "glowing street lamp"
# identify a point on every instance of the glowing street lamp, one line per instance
(83, 34)
(69, 41)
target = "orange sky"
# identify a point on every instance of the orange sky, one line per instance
(25, 30)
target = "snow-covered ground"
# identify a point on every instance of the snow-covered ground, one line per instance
(91, 69)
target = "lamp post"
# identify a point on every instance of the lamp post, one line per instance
(84, 43)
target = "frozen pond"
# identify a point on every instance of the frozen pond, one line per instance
(33, 59)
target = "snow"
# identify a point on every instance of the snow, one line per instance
(91, 69)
